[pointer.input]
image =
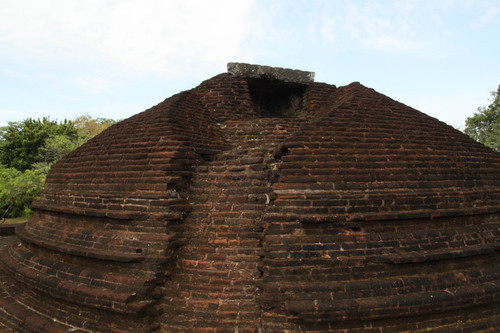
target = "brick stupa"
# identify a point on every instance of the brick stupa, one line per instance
(261, 201)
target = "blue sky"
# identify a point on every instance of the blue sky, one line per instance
(113, 59)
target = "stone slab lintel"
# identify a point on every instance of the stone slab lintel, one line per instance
(270, 73)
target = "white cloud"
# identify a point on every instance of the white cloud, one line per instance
(70, 98)
(491, 15)
(153, 37)
(93, 84)
(369, 25)
(395, 26)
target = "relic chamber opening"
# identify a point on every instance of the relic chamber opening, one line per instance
(275, 92)
(276, 99)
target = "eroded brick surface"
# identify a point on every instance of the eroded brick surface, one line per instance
(219, 210)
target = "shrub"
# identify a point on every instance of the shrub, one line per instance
(19, 189)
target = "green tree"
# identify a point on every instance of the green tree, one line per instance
(18, 190)
(89, 127)
(21, 143)
(484, 126)
(29, 148)
(55, 148)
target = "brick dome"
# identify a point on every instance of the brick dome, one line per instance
(261, 201)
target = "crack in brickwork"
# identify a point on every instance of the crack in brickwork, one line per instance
(222, 256)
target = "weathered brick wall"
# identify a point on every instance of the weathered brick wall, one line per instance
(132, 167)
(319, 98)
(355, 236)
(330, 276)
(355, 213)
(106, 226)
(226, 97)
(218, 277)
(373, 158)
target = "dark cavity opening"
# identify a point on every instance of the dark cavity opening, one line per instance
(277, 99)
(280, 153)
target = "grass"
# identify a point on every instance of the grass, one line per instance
(15, 220)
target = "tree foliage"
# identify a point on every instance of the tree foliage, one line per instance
(28, 149)
(89, 127)
(484, 126)
(22, 142)
(55, 148)
(18, 190)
